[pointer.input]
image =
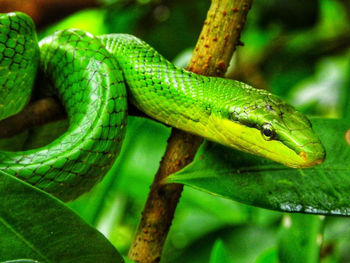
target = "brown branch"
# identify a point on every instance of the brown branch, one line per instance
(214, 49)
(38, 113)
(219, 37)
(217, 42)
(41, 112)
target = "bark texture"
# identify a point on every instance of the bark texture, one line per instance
(217, 42)
(38, 113)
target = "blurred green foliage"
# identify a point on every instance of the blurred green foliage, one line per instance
(299, 51)
(300, 238)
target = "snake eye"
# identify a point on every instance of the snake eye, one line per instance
(267, 131)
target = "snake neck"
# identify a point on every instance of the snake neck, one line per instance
(166, 93)
(173, 95)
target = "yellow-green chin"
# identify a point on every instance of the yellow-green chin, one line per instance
(250, 140)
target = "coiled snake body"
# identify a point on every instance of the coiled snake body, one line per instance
(93, 76)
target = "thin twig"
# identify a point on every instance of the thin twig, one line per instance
(217, 42)
(38, 113)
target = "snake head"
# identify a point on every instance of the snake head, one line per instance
(260, 123)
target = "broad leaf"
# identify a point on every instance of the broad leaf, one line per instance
(252, 180)
(37, 226)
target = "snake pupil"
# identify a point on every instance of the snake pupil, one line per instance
(267, 131)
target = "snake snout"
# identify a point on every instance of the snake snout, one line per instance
(312, 156)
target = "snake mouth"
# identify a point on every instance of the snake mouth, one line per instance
(312, 158)
(249, 140)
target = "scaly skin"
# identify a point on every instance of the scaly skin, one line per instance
(19, 56)
(89, 74)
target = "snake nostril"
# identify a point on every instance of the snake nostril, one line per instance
(303, 155)
(347, 136)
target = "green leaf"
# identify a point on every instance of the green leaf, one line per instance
(257, 181)
(35, 225)
(268, 256)
(219, 253)
(300, 239)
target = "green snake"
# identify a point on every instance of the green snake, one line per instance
(95, 77)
